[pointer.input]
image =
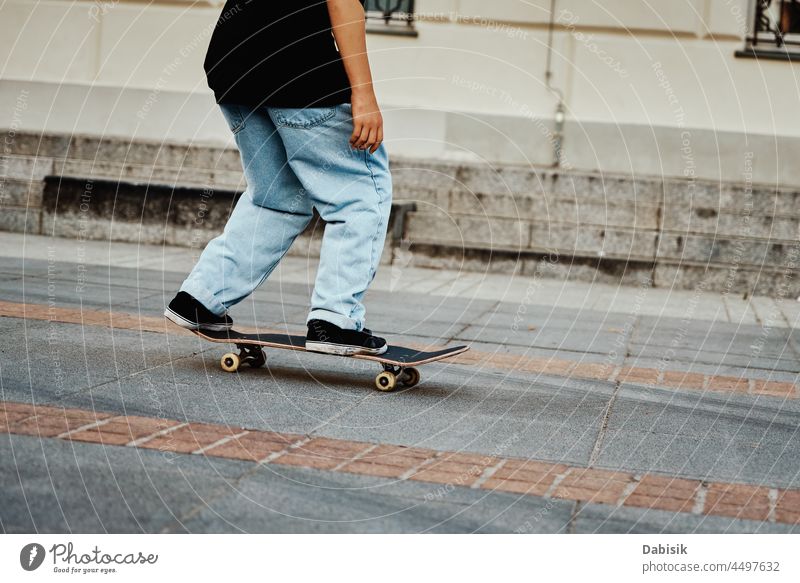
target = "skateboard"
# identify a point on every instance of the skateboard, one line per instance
(398, 362)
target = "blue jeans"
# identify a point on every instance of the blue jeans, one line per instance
(295, 160)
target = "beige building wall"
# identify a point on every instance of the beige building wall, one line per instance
(646, 86)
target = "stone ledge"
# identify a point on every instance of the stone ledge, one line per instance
(629, 271)
(483, 212)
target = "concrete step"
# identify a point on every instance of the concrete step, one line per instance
(591, 240)
(544, 264)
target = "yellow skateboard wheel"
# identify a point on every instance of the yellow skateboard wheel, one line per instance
(230, 362)
(385, 381)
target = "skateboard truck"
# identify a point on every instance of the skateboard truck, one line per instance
(248, 354)
(392, 374)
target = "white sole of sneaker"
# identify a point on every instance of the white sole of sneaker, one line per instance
(189, 325)
(343, 349)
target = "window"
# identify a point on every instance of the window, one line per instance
(390, 16)
(773, 30)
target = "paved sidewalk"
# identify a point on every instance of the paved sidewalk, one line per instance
(580, 408)
(598, 297)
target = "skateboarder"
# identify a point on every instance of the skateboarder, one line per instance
(309, 131)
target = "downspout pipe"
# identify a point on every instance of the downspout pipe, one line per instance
(560, 113)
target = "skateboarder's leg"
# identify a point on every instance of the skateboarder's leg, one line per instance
(267, 218)
(352, 191)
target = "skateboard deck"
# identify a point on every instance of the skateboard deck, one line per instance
(398, 361)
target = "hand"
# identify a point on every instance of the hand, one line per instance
(367, 121)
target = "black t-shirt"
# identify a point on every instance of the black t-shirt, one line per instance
(278, 53)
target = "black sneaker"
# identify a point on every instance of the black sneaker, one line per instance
(188, 313)
(330, 339)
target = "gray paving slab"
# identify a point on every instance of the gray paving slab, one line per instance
(648, 322)
(710, 368)
(285, 500)
(53, 359)
(599, 518)
(64, 295)
(68, 487)
(509, 307)
(749, 340)
(12, 265)
(283, 397)
(531, 421)
(539, 352)
(791, 312)
(679, 354)
(461, 304)
(553, 338)
(716, 336)
(537, 317)
(124, 276)
(704, 437)
(428, 328)
(407, 309)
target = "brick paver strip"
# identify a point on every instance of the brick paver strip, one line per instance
(52, 422)
(122, 430)
(452, 469)
(739, 500)
(635, 375)
(593, 485)
(681, 379)
(322, 453)
(389, 461)
(730, 384)
(664, 493)
(787, 509)
(514, 362)
(526, 477)
(190, 437)
(254, 446)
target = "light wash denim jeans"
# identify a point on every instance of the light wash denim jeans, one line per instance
(295, 160)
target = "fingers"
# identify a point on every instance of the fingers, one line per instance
(378, 140)
(358, 128)
(371, 144)
(367, 136)
(362, 137)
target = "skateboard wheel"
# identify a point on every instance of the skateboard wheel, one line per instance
(385, 381)
(230, 362)
(410, 377)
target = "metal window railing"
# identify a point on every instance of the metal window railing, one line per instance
(390, 16)
(773, 29)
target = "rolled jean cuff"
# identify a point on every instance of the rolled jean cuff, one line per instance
(343, 322)
(202, 295)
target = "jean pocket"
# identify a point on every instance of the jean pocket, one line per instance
(234, 115)
(302, 118)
